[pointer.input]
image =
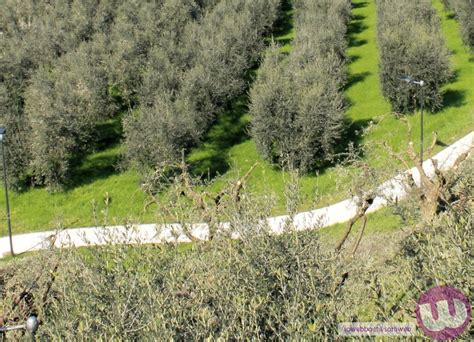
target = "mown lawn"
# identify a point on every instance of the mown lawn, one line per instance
(227, 151)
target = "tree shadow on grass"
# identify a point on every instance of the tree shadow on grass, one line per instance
(454, 98)
(360, 4)
(451, 16)
(349, 144)
(94, 168)
(356, 78)
(353, 135)
(211, 157)
(102, 162)
(353, 58)
(283, 25)
(110, 133)
(355, 27)
(441, 143)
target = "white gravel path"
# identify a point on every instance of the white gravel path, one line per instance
(151, 233)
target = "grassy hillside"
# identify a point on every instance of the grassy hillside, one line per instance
(227, 150)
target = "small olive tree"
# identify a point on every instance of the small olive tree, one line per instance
(411, 44)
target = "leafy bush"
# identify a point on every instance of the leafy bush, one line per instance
(439, 253)
(297, 101)
(410, 43)
(260, 287)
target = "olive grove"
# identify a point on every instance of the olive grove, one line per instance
(297, 102)
(172, 66)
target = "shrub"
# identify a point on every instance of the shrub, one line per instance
(297, 101)
(260, 287)
(411, 43)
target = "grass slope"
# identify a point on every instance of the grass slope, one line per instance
(227, 150)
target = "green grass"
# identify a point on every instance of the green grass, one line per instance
(227, 151)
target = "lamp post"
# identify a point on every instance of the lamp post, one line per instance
(3, 132)
(31, 326)
(421, 83)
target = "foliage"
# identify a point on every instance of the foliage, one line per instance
(464, 11)
(63, 107)
(157, 54)
(262, 287)
(430, 255)
(297, 101)
(411, 44)
(187, 84)
(139, 28)
(35, 34)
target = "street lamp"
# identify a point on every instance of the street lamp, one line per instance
(3, 132)
(31, 326)
(421, 83)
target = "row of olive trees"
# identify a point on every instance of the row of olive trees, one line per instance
(66, 64)
(464, 11)
(34, 34)
(411, 44)
(89, 59)
(68, 98)
(188, 81)
(297, 101)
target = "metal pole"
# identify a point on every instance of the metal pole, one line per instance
(7, 203)
(31, 326)
(421, 133)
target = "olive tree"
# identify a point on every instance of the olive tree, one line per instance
(297, 102)
(64, 103)
(464, 11)
(411, 43)
(191, 78)
(35, 34)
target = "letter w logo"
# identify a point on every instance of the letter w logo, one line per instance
(441, 319)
